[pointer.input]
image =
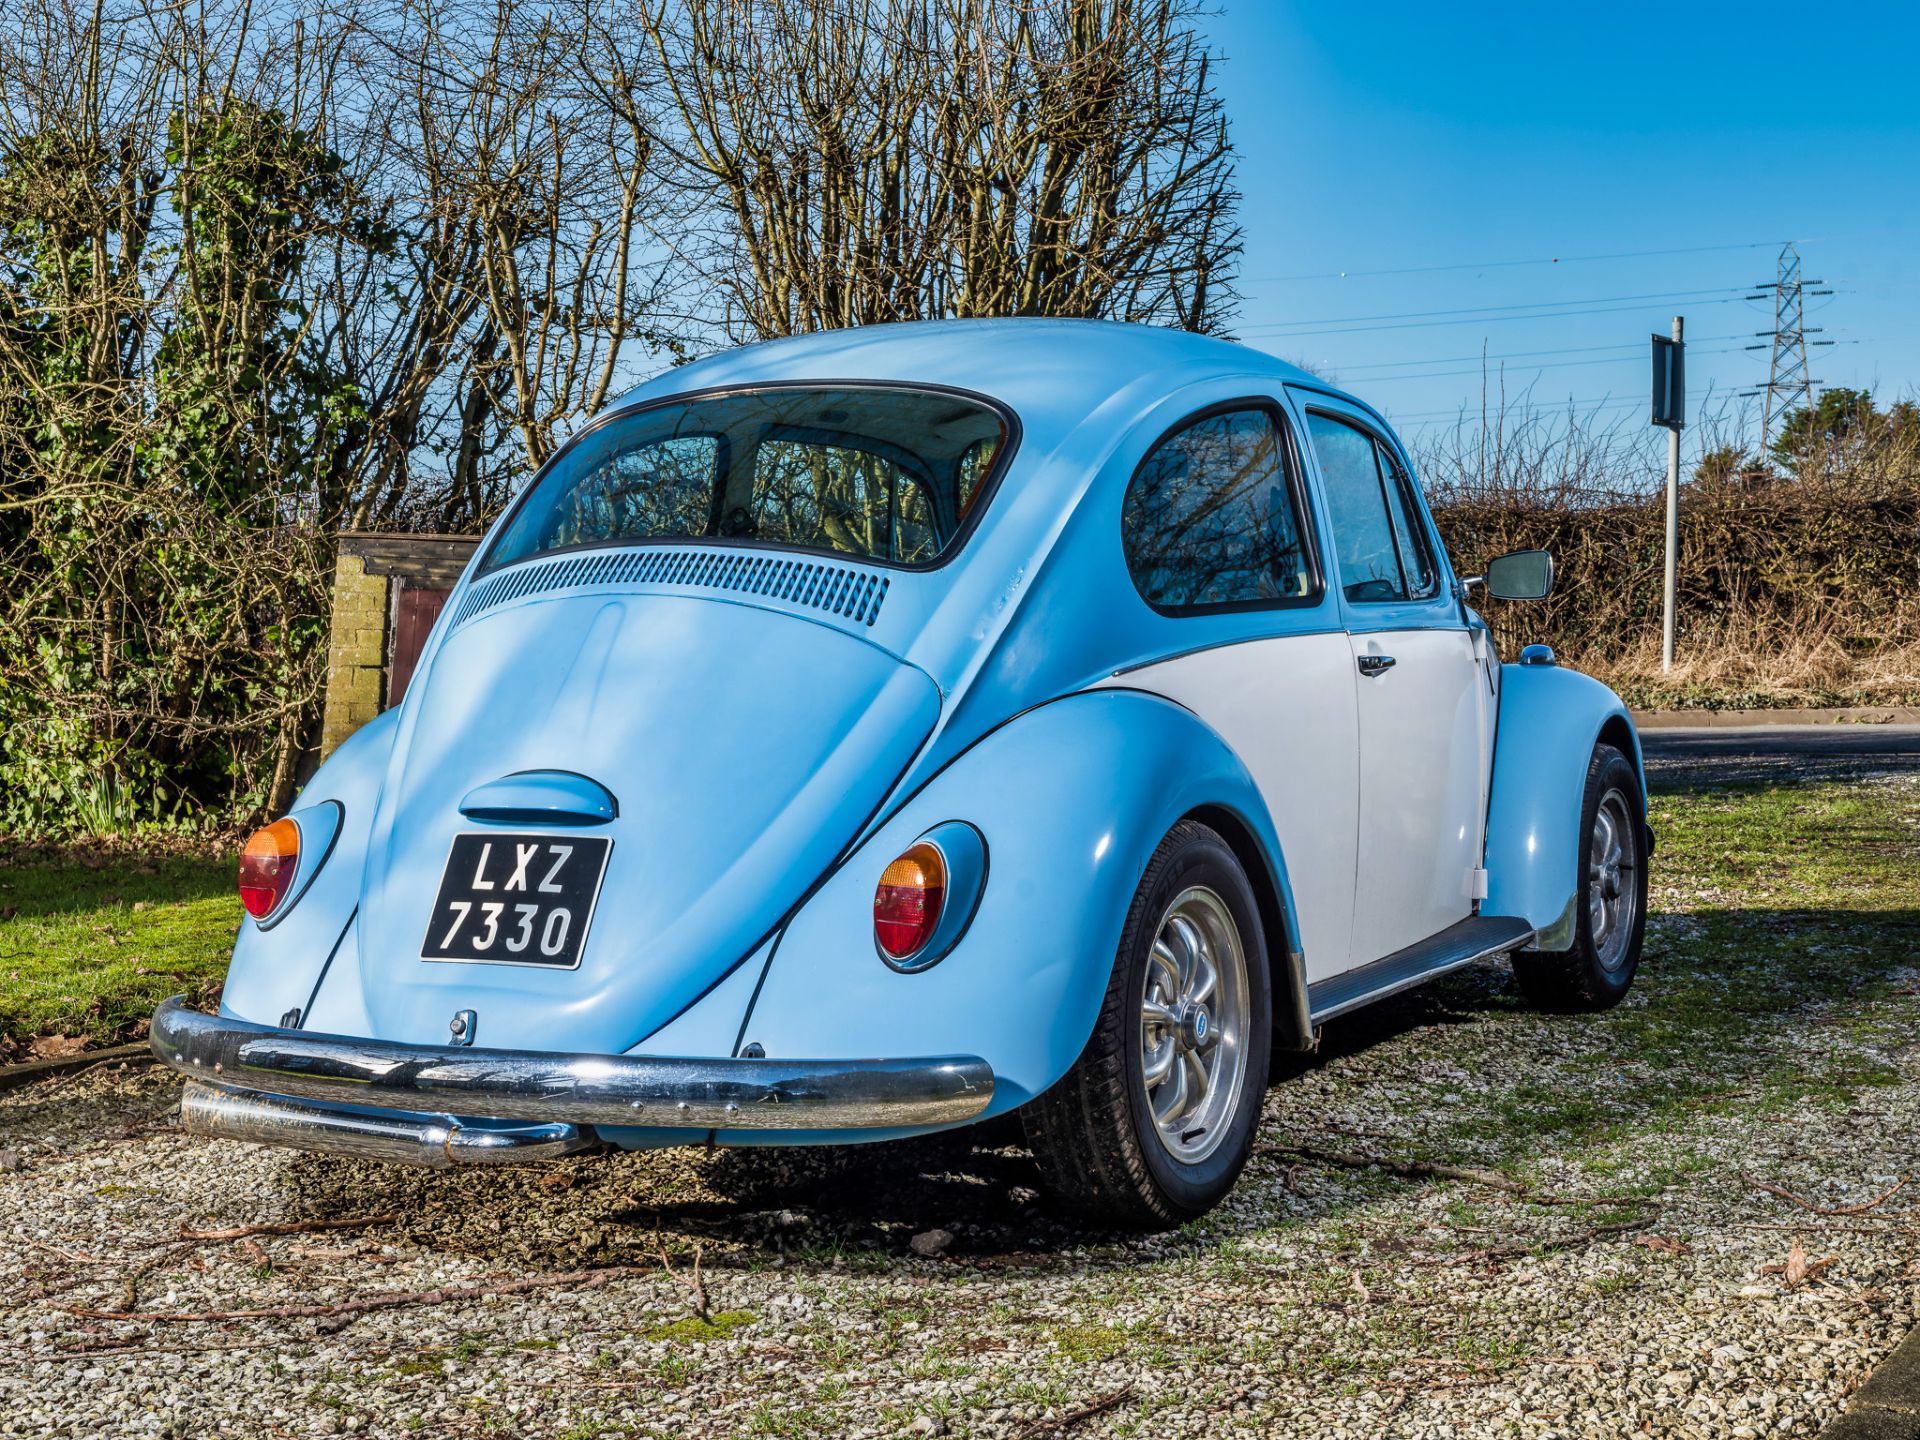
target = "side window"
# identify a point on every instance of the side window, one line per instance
(1362, 530)
(1377, 534)
(1209, 518)
(1416, 556)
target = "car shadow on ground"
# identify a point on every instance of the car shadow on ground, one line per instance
(974, 1194)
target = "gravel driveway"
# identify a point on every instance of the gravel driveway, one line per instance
(1670, 1220)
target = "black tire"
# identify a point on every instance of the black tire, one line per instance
(1595, 974)
(1094, 1132)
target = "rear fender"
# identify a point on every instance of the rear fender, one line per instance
(1072, 798)
(278, 969)
(1550, 720)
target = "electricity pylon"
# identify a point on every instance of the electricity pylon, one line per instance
(1789, 383)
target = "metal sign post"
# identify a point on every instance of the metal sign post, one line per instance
(1670, 410)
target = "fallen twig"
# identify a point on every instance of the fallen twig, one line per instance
(698, 1286)
(297, 1227)
(1808, 1227)
(1806, 1204)
(1097, 1406)
(1421, 1170)
(26, 1072)
(130, 1297)
(1542, 1247)
(133, 1346)
(445, 1295)
(1411, 1169)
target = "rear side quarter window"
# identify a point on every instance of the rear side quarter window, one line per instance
(1211, 517)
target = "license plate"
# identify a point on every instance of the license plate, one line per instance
(517, 899)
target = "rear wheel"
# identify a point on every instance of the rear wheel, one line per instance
(1155, 1120)
(1610, 918)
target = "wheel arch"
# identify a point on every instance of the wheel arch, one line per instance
(1292, 1027)
(1550, 721)
(1617, 730)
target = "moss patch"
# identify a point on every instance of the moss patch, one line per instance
(714, 1327)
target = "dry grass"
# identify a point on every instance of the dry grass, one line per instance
(1737, 663)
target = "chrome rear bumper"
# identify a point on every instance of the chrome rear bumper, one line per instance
(409, 1102)
(438, 1141)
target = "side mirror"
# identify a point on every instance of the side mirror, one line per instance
(1521, 575)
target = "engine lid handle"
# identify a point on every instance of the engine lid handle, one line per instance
(542, 797)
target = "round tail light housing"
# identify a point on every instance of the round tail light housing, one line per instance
(908, 902)
(267, 867)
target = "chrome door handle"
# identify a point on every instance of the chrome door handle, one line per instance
(1373, 665)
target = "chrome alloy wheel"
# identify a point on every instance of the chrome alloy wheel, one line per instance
(1613, 885)
(1194, 1024)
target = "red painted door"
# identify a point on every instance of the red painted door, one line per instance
(414, 613)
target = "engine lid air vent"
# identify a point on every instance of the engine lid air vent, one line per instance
(847, 591)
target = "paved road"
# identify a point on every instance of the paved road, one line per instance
(1832, 742)
(1685, 758)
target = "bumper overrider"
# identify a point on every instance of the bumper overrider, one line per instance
(446, 1105)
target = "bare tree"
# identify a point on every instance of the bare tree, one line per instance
(512, 154)
(875, 160)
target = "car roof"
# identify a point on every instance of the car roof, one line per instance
(1043, 369)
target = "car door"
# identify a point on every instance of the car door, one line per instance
(1217, 537)
(1421, 692)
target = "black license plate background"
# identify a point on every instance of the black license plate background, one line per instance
(517, 899)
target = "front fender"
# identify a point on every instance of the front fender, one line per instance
(1550, 720)
(276, 970)
(1072, 798)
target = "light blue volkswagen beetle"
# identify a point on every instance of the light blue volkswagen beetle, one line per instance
(871, 733)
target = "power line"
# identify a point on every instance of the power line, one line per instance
(1530, 369)
(1496, 309)
(1504, 264)
(1475, 319)
(1523, 405)
(1639, 347)
(1473, 408)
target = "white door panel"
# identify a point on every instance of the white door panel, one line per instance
(1286, 706)
(1422, 786)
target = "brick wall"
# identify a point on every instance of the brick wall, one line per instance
(371, 576)
(357, 651)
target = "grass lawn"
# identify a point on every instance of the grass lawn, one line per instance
(89, 945)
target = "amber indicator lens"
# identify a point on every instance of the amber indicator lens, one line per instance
(906, 906)
(267, 866)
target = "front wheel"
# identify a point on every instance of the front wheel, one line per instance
(1155, 1120)
(1610, 914)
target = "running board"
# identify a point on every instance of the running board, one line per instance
(1479, 938)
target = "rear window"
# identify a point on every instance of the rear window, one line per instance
(879, 473)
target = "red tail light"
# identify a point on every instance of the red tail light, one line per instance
(267, 866)
(906, 906)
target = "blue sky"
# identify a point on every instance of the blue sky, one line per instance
(1393, 136)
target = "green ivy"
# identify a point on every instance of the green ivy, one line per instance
(164, 555)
